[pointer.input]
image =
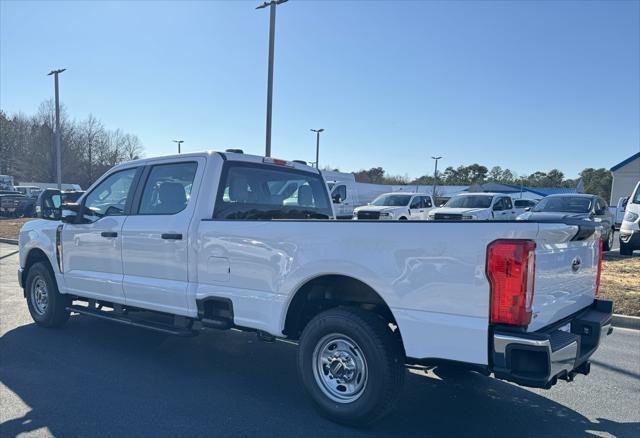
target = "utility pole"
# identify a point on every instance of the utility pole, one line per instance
(55, 74)
(317, 131)
(179, 143)
(435, 178)
(272, 34)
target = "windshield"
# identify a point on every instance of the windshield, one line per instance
(470, 201)
(392, 200)
(636, 195)
(569, 204)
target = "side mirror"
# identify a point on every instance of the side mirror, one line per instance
(337, 199)
(49, 205)
(527, 209)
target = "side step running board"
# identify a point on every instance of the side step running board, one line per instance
(122, 319)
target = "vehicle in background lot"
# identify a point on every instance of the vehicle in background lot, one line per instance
(630, 228)
(71, 196)
(576, 206)
(475, 206)
(211, 240)
(29, 191)
(396, 206)
(619, 211)
(6, 183)
(522, 205)
(15, 204)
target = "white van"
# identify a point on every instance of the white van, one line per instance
(630, 228)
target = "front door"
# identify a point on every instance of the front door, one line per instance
(91, 248)
(156, 237)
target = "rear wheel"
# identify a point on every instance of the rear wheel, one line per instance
(46, 305)
(351, 364)
(608, 244)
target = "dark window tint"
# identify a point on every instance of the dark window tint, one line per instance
(340, 191)
(168, 188)
(250, 192)
(110, 196)
(416, 203)
(427, 202)
(507, 203)
(523, 203)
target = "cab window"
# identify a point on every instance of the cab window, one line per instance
(168, 188)
(250, 192)
(110, 197)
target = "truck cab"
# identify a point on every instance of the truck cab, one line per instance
(396, 206)
(476, 206)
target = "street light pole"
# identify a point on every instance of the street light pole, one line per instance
(435, 178)
(179, 143)
(272, 35)
(317, 131)
(55, 74)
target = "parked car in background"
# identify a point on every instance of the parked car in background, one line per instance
(71, 196)
(396, 206)
(15, 204)
(575, 206)
(475, 206)
(6, 183)
(522, 205)
(29, 191)
(630, 228)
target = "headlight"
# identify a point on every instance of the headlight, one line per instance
(386, 214)
(469, 217)
(630, 216)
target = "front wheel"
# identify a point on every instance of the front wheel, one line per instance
(351, 364)
(48, 307)
(625, 249)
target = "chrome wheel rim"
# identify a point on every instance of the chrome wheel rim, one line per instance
(39, 295)
(340, 368)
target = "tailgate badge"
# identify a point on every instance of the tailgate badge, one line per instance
(575, 264)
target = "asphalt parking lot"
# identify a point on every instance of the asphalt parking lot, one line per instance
(94, 378)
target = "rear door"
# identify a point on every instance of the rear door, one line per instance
(155, 237)
(91, 248)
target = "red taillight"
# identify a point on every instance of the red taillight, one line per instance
(511, 268)
(599, 268)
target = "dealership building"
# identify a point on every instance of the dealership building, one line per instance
(626, 175)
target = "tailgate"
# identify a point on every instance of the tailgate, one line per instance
(566, 271)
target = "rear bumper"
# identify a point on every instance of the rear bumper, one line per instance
(539, 359)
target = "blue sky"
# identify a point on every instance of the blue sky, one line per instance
(525, 85)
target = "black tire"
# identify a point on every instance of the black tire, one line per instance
(54, 312)
(375, 342)
(402, 218)
(608, 244)
(625, 249)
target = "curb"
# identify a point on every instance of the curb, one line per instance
(628, 322)
(9, 241)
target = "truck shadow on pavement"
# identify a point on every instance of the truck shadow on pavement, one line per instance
(94, 378)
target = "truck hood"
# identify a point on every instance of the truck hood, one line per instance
(445, 210)
(379, 208)
(552, 216)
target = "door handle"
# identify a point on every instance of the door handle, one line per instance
(172, 236)
(109, 234)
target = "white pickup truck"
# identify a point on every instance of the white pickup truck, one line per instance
(214, 240)
(476, 206)
(396, 206)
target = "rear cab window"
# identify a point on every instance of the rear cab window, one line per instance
(261, 192)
